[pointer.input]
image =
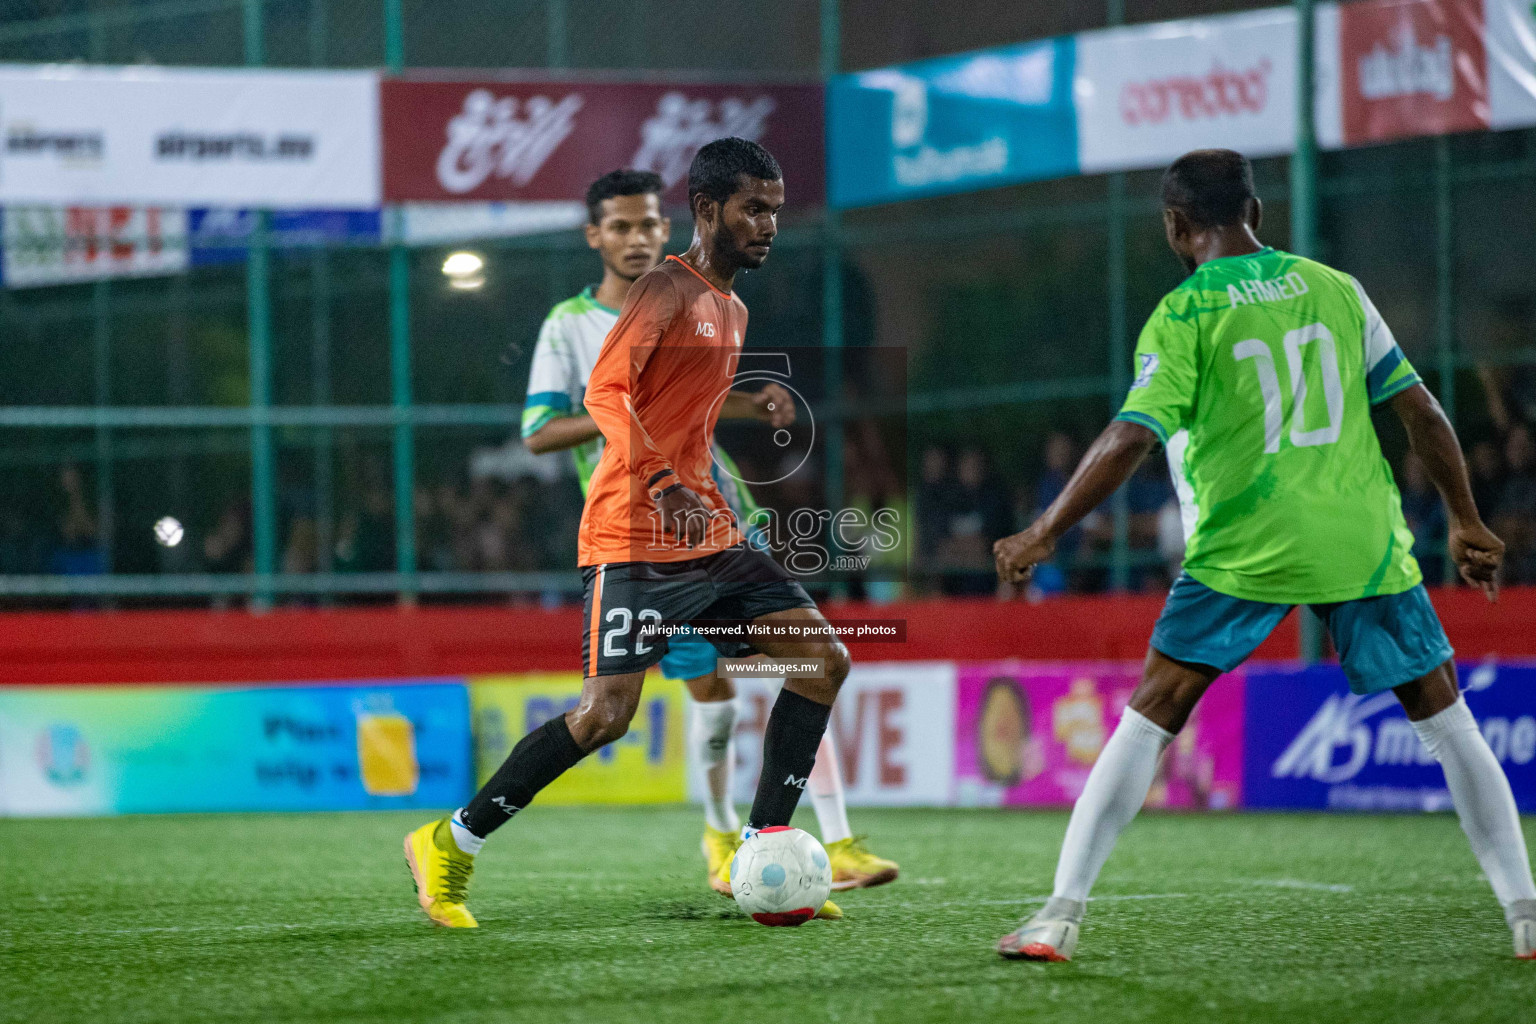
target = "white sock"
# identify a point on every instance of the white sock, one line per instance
(1483, 800)
(710, 738)
(463, 838)
(826, 786)
(1116, 788)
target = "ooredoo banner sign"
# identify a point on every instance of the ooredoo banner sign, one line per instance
(181, 137)
(504, 140)
(1029, 734)
(1149, 93)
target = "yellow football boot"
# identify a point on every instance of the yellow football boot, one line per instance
(719, 848)
(442, 872)
(829, 911)
(854, 867)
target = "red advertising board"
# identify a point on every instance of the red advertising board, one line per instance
(1412, 67)
(492, 140)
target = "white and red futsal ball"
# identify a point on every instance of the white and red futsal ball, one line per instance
(781, 876)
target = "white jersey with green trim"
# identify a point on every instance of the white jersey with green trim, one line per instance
(569, 343)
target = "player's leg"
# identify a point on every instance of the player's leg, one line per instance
(441, 854)
(799, 717)
(711, 728)
(854, 865)
(1199, 635)
(1385, 640)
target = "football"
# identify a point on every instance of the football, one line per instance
(781, 876)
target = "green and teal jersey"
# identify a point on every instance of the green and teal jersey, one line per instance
(567, 349)
(1258, 374)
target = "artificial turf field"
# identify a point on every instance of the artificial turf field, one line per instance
(602, 915)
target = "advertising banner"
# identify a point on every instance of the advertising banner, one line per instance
(953, 124)
(892, 725)
(46, 245)
(1149, 93)
(1407, 68)
(644, 767)
(447, 223)
(1028, 734)
(222, 234)
(1314, 744)
(166, 136)
(1511, 63)
(505, 140)
(126, 750)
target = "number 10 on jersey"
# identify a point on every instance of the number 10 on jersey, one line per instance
(1275, 416)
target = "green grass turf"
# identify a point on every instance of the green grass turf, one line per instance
(602, 915)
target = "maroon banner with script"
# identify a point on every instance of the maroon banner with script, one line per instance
(549, 140)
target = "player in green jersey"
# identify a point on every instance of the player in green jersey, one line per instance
(1258, 374)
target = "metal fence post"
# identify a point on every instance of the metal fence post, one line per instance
(832, 287)
(1304, 222)
(400, 350)
(258, 298)
(1119, 355)
(1445, 294)
(106, 498)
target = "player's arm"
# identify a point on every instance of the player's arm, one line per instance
(549, 423)
(1110, 462)
(1160, 402)
(560, 432)
(1478, 553)
(773, 405)
(649, 308)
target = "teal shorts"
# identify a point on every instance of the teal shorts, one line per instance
(1382, 641)
(688, 656)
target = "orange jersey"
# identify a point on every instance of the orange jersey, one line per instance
(655, 394)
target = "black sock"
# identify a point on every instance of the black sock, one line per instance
(794, 732)
(539, 758)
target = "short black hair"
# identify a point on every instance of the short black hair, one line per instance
(1210, 186)
(718, 168)
(624, 182)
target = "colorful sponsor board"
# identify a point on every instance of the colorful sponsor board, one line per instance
(224, 234)
(46, 245)
(185, 137)
(952, 124)
(892, 725)
(509, 140)
(1511, 43)
(1314, 744)
(125, 750)
(1410, 68)
(1149, 93)
(1028, 734)
(646, 766)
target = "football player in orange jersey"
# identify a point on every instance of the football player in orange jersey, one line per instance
(658, 543)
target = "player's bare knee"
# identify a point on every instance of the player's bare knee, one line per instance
(838, 665)
(599, 722)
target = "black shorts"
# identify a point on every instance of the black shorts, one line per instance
(738, 584)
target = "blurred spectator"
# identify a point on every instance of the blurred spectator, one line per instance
(79, 550)
(227, 548)
(935, 498)
(1425, 513)
(1060, 459)
(1485, 465)
(978, 513)
(1514, 515)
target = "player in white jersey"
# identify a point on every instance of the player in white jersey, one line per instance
(628, 231)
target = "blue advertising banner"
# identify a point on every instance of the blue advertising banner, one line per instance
(220, 235)
(1310, 743)
(952, 124)
(133, 749)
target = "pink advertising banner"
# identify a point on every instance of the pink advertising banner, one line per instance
(1026, 734)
